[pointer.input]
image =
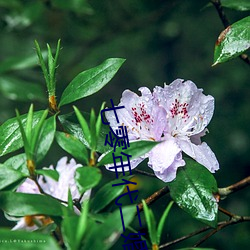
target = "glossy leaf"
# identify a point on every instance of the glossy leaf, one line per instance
(84, 125)
(193, 191)
(90, 81)
(16, 240)
(20, 204)
(241, 5)
(18, 162)
(87, 177)
(10, 136)
(106, 194)
(70, 123)
(8, 176)
(136, 149)
(46, 137)
(73, 146)
(103, 236)
(19, 90)
(233, 41)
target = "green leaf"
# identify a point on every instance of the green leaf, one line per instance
(9, 175)
(18, 162)
(46, 138)
(20, 204)
(106, 194)
(19, 90)
(53, 174)
(241, 5)
(69, 230)
(162, 221)
(150, 219)
(87, 177)
(84, 125)
(193, 191)
(136, 149)
(90, 81)
(10, 136)
(74, 228)
(70, 123)
(16, 240)
(233, 41)
(103, 236)
(73, 146)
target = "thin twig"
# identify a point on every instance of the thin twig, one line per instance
(145, 173)
(155, 196)
(235, 220)
(224, 211)
(226, 23)
(204, 229)
(224, 192)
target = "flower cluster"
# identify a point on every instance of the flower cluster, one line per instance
(175, 115)
(58, 189)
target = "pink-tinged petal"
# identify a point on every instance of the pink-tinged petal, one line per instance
(165, 158)
(189, 110)
(196, 139)
(143, 118)
(201, 153)
(29, 187)
(59, 189)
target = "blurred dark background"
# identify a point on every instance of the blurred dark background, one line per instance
(161, 41)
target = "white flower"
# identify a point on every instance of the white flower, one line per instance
(58, 189)
(177, 115)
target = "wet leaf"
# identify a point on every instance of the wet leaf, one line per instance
(73, 146)
(10, 135)
(9, 176)
(46, 137)
(90, 81)
(233, 41)
(193, 191)
(20, 204)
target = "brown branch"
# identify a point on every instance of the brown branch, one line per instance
(235, 220)
(224, 192)
(155, 196)
(226, 23)
(204, 229)
(145, 173)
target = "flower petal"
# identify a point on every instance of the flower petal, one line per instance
(201, 153)
(29, 187)
(165, 158)
(189, 110)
